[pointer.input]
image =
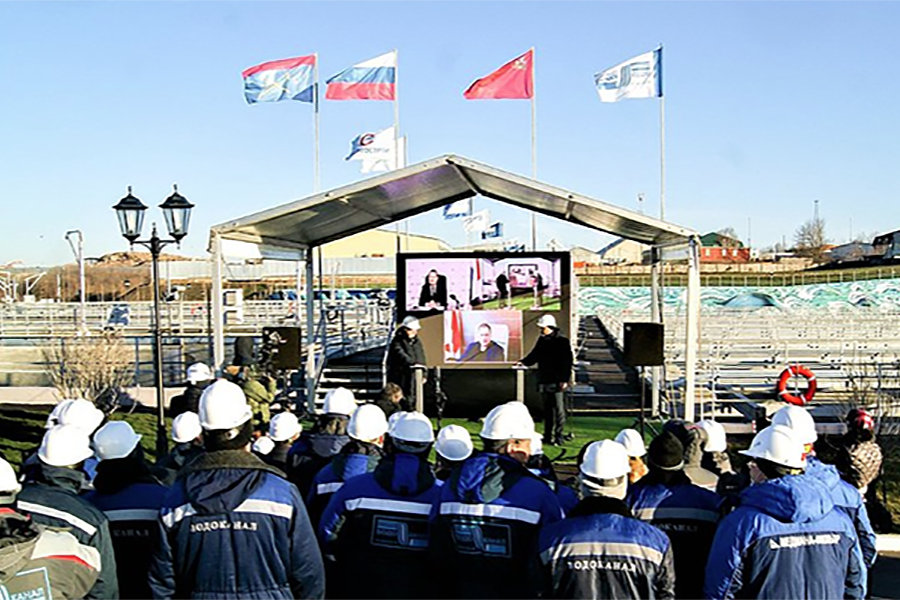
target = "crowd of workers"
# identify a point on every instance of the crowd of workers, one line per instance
(355, 508)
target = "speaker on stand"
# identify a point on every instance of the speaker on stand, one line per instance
(642, 346)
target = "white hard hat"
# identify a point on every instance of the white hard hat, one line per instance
(716, 434)
(633, 442)
(263, 445)
(547, 321)
(778, 444)
(8, 482)
(454, 443)
(81, 413)
(798, 419)
(198, 372)
(186, 427)
(392, 421)
(116, 439)
(413, 427)
(64, 446)
(284, 426)
(339, 401)
(367, 423)
(223, 406)
(53, 417)
(410, 322)
(510, 421)
(605, 460)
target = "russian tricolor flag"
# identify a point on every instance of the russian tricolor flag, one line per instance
(374, 79)
(286, 79)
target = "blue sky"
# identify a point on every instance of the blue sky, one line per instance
(769, 107)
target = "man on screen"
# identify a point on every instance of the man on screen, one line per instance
(483, 349)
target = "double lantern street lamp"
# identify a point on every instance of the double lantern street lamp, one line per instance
(177, 213)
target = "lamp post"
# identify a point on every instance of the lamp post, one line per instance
(78, 250)
(177, 213)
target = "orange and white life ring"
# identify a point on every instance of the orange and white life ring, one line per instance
(793, 371)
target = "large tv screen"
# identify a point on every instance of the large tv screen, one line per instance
(480, 309)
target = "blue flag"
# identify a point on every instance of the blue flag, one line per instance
(287, 79)
(495, 230)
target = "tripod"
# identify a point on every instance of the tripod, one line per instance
(641, 421)
(440, 398)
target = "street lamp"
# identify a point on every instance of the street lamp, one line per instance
(177, 213)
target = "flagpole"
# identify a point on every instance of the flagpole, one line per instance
(316, 165)
(397, 109)
(662, 140)
(533, 147)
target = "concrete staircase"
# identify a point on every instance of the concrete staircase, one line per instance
(604, 385)
(360, 373)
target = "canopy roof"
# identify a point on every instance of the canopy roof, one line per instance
(406, 192)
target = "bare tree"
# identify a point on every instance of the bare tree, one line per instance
(88, 367)
(809, 240)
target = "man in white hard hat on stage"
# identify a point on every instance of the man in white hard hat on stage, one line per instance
(600, 550)
(232, 526)
(553, 355)
(489, 513)
(404, 353)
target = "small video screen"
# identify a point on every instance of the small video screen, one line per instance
(506, 281)
(484, 336)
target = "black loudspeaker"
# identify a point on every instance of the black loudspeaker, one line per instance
(281, 345)
(643, 344)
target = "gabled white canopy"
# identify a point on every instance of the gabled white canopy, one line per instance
(288, 231)
(394, 196)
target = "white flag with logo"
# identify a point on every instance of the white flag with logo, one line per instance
(377, 151)
(477, 222)
(639, 77)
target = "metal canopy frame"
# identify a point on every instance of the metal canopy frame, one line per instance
(293, 229)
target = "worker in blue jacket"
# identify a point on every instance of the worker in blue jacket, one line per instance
(315, 449)
(785, 539)
(845, 496)
(666, 498)
(358, 457)
(490, 512)
(130, 497)
(232, 526)
(376, 526)
(600, 550)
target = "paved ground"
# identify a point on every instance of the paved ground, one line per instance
(886, 576)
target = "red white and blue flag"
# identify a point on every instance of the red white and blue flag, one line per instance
(286, 79)
(374, 79)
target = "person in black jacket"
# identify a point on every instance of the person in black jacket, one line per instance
(434, 291)
(553, 355)
(405, 352)
(391, 400)
(198, 378)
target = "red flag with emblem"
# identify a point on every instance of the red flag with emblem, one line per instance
(512, 81)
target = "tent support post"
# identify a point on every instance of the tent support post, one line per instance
(656, 317)
(692, 327)
(218, 315)
(310, 335)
